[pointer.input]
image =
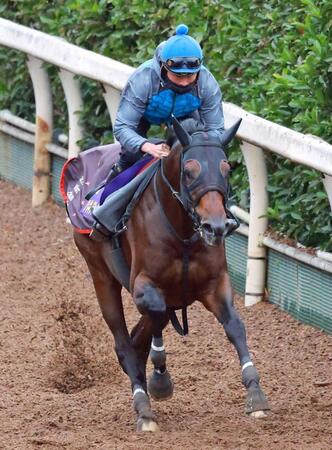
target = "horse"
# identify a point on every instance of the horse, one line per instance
(174, 248)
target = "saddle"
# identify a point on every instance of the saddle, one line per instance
(83, 187)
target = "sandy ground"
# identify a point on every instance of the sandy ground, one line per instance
(61, 386)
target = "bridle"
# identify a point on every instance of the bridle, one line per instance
(185, 196)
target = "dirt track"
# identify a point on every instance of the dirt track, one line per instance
(61, 386)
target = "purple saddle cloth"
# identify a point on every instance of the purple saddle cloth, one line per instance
(90, 169)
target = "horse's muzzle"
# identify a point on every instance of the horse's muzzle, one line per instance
(214, 233)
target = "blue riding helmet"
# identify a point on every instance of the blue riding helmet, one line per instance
(181, 53)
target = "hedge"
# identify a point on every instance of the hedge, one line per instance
(272, 58)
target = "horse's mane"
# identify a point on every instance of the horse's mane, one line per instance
(190, 125)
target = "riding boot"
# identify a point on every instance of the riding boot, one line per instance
(127, 159)
(114, 172)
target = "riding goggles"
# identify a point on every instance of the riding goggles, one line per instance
(183, 65)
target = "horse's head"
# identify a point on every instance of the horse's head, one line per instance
(204, 181)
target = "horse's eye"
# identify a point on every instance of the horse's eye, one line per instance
(191, 171)
(189, 175)
(225, 168)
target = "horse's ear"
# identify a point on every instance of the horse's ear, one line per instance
(230, 133)
(180, 132)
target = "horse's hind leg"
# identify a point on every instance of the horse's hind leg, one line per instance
(222, 306)
(108, 292)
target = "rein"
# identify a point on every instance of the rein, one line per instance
(191, 212)
(188, 207)
(186, 246)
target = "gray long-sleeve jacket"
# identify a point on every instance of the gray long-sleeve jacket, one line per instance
(130, 127)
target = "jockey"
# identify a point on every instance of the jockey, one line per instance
(174, 82)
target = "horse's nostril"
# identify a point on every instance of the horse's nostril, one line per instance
(216, 229)
(231, 225)
(207, 227)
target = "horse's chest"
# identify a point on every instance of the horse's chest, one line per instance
(190, 274)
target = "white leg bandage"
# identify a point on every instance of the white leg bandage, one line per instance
(247, 364)
(138, 390)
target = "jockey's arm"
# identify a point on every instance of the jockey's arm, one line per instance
(131, 109)
(211, 110)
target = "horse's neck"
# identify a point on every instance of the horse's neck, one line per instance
(172, 210)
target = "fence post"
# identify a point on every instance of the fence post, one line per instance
(327, 181)
(112, 99)
(256, 264)
(71, 88)
(44, 125)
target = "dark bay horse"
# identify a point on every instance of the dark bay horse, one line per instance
(174, 246)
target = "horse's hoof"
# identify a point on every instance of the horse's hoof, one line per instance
(256, 403)
(160, 386)
(147, 425)
(258, 414)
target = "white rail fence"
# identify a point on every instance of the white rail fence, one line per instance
(255, 133)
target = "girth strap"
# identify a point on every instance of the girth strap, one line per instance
(184, 329)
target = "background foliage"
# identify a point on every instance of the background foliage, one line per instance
(272, 58)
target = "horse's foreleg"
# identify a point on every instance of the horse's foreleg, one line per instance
(147, 335)
(141, 336)
(108, 292)
(129, 356)
(160, 383)
(147, 338)
(222, 306)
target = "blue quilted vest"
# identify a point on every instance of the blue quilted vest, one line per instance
(167, 102)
